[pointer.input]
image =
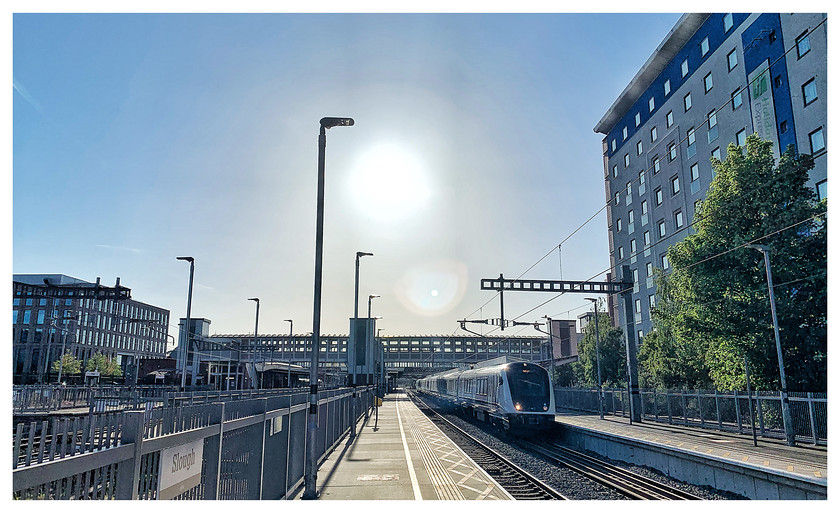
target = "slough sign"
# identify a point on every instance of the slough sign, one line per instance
(180, 469)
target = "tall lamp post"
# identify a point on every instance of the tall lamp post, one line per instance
(291, 352)
(311, 474)
(185, 351)
(254, 349)
(370, 298)
(786, 418)
(351, 357)
(598, 358)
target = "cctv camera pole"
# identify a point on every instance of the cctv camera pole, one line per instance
(311, 472)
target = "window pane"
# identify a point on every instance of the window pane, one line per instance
(732, 59)
(684, 68)
(727, 21)
(803, 45)
(653, 134)
(817, 141)
(669, 119)
(809, 91)
(687, 101)
(704, 46)
(667, 87)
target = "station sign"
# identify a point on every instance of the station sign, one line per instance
(180, 469)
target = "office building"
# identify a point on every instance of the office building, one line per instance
(713, 80)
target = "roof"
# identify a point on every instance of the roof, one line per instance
(673, 42)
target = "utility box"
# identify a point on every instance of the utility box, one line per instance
(361, 352)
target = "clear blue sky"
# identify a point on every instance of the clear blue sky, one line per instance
(139, 138)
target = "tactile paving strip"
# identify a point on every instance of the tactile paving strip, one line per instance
(454, 474)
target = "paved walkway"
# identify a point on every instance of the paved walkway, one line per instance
(771, 455)
(402, 456)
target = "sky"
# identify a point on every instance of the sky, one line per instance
(138, 138)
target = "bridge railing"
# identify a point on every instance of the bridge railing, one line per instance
(45, 398)
(250, 449)
(713, 409)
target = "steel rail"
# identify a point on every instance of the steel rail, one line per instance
(518, 482)
(623, 481)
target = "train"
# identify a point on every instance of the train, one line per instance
(511, 395)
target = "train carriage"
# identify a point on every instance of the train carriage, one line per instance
(511, 394)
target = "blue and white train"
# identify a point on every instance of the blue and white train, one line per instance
(512, 395)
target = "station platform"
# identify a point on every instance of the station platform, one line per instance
(720, 459)
(402, 456)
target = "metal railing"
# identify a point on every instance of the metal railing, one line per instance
(724, 411)
(46, 398)
(251, 448)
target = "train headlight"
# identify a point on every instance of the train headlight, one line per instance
(545, 407)
(518, 407)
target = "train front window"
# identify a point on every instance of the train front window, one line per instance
(529, 386)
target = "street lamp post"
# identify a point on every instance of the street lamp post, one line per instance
(185, 351)
(598, 359)
(291, 352)
(370, 298)
(786, 418)
(254, 349)
(311, 474)
(351, 356)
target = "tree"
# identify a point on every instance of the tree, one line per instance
(613, 354)
(68, 364)
(716, 298)
(104, 365)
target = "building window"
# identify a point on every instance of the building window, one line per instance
(675, 185)
(712, 134)
(822, 190)
(27, 316)
(684, 68)
(708, 83)
(40, 317)
(631, 219)
(624, 134)
(736, 98)
(772, 36)
(783, 127)
(777, 81)
(644, 207)
(664, 261)
(638, 119)
(652, 300)
(803, 45)
(646, 238)
(653, 134)
(617, 194)
(615, 170)
(669, 119)
(741, 137)
(732, 59)
(695, 171)
(716, 153)
(626, 160)
(661, 226)
(672, 152)
(691, 149)
(678, 219)
(638, 305)
(809, 91)
(687, 102)
(639, 148)
(667, 87)
(727, 22)
(656, 166)
(613, 145)
(816, 138)
(651, 104)
(704, 47)
(641, 179)
(618, 225)
(657, 196)
(629, 189)
(621, 253)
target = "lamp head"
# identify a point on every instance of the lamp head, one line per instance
(360, 254)
(331, 122)
(287, 320)
(188, 259)
(373, 296)
(254, 299)
(591, 299)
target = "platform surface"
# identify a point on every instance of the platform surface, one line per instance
(803, 460)
(402, 456)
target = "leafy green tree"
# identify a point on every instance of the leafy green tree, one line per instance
(613, 355)
(68, 364)
(104, 365)
(719, 305)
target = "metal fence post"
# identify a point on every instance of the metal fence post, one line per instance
(214, 455)
(811, 416)
(684, 408)
(760, 414)
(128, 471)
(737, 411)
(262, 449)
(668, 406)
(700, 408)
(717, 410)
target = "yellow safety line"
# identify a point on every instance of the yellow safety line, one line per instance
(414, 484)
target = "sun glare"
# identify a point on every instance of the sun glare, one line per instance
(388, 183)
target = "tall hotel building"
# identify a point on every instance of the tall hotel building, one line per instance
(715, 79)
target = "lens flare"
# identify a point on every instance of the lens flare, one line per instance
(432, 289)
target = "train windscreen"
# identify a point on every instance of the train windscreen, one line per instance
(529, 387)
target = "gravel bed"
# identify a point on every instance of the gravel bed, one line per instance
(570, 483)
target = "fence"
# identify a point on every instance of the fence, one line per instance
(250, 449)
(725, 411)
(41, 398)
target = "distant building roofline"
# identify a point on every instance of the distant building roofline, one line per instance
(687, 25)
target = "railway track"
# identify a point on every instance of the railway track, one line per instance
(623, 481)
(520, 484)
